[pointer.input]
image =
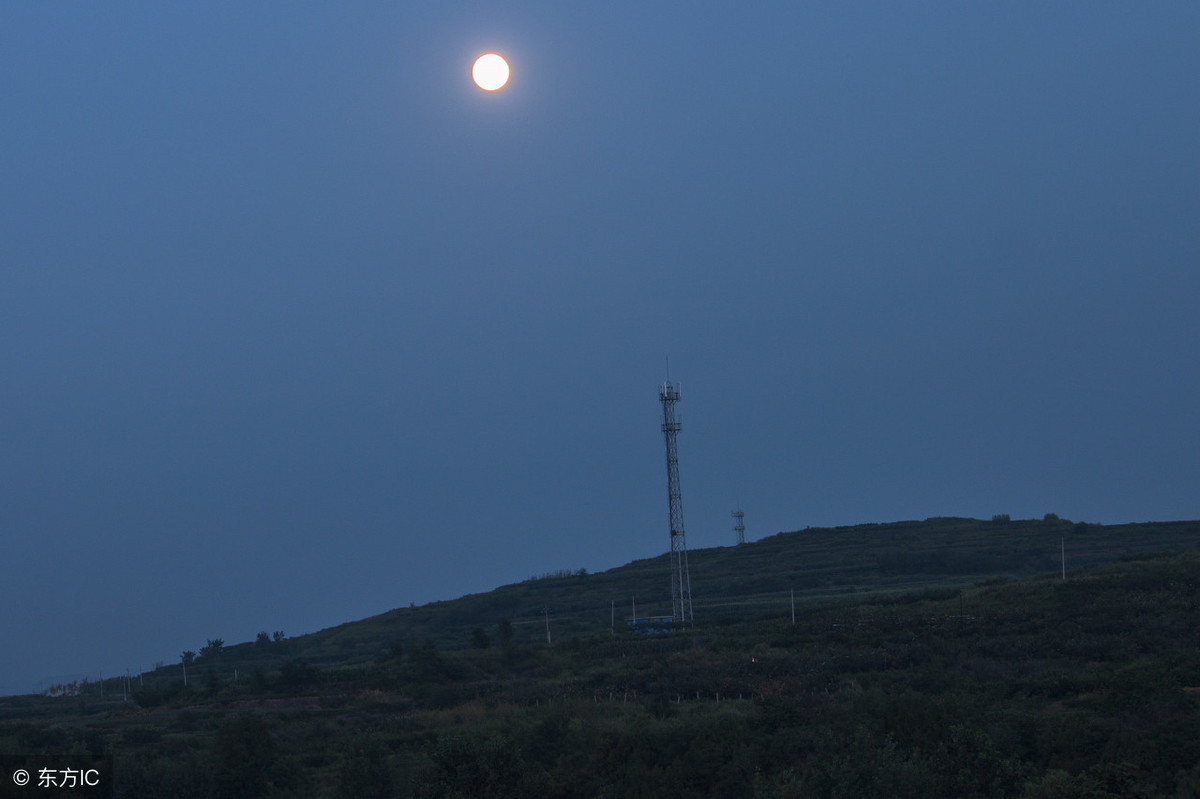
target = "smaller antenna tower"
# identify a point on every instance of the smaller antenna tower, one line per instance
(739, 525)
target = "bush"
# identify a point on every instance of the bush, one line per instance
(296, 674)
(245, 754)
(153, 697)
(505, 629)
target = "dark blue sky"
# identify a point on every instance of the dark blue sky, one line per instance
(298, 326)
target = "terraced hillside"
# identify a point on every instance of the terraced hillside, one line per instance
(752, 581)
(1032, 688)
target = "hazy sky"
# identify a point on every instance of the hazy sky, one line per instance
(298, 326)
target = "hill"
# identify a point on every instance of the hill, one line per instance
(918, 665)
(754, 580)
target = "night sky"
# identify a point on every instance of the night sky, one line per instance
(297, 325)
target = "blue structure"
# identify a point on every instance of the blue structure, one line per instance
(652, 625)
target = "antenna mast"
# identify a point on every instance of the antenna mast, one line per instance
(681, 584)
(739, 525)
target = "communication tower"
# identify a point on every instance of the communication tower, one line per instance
(739, 525)
(681, 584)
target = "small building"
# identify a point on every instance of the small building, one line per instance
(651, 625)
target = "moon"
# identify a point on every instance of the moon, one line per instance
(490, 72)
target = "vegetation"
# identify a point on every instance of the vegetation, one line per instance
(918, 683)
(212, 649)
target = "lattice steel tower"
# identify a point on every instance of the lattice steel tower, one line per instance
(739, 525)
(681, 583)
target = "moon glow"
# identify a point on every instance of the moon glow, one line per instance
(490, 72)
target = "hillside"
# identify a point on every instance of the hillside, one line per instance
(1033, 687)
(754, 580)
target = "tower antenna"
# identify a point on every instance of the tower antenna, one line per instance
(681, 584)
(739, 524)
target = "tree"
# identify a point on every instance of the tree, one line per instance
(212, 648)
(297, 674)
(245, 755)
(262, 639)
(427, 662)
(480, 766)
(505, 630)
(364, 771)
(278, 636)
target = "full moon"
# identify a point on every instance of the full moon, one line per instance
(490, 72)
